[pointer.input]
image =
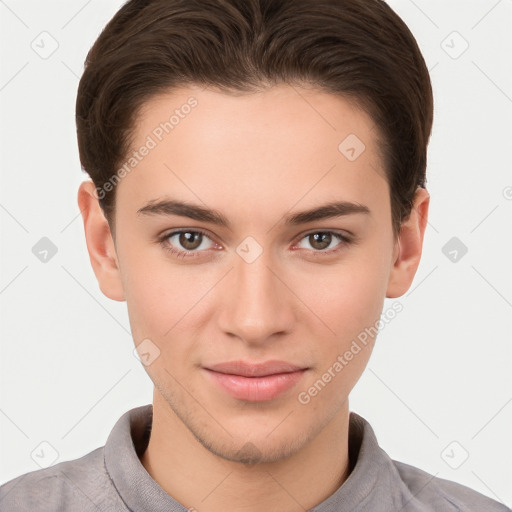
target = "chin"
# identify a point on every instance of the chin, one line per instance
(259, 450)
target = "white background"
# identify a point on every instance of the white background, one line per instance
(440, 371)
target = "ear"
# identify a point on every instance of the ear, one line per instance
(100, 244)
(407, 253)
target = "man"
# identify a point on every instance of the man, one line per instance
(257, 190)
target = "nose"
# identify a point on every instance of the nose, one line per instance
(257, 303)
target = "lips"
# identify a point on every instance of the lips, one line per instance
(255, 382)
(255, 369)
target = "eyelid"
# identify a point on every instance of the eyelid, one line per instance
(166, 235)
(343, 237)
(340, 232)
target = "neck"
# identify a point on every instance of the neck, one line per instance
(203, 481)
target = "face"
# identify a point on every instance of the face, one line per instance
(243, 318)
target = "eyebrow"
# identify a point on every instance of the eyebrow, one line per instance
(330, 210)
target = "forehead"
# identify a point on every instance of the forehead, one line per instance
(279, 145)
(291, 112)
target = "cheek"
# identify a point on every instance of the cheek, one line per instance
(349, 304)
(157, 305)
(154, 290)
(165, 303)
(347, 299)
(158, 300)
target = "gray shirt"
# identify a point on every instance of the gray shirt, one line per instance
(112, 478)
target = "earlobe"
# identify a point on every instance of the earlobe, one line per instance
(408, 248)
(100, 244)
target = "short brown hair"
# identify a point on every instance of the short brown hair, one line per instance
(360, 50)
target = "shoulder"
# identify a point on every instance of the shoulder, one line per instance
(443, 494)
(81, 484)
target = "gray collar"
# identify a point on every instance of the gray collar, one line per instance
(373, 484)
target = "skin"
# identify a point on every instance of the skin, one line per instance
(255, 158)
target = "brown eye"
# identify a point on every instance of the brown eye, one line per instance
(320, 241)
(324, 241)
(189, 240)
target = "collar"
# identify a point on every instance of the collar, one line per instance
(371, 484)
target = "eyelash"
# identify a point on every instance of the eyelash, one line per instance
(344, 241)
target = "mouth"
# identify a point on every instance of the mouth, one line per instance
(255, 382)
